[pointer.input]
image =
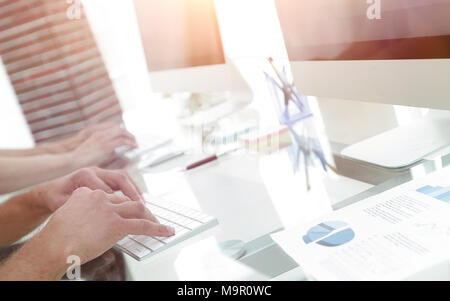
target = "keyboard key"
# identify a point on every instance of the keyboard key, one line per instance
(123, 242)
(178, 228)
(182, 231)
(134, 248)
(195, 215)
(177, 219)
(162, 220)
(193, 224)
(205, 218)
(185, 222)
(148, 241)
(167, 240)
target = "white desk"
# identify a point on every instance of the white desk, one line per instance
(251, 196)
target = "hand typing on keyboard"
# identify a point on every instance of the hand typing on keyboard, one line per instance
(54, 194)
(185, 221)
(89, 224)
(88, 219)
(102, 219)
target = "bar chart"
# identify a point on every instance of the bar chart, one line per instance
(437, 192)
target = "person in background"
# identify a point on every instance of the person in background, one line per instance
(93, 146)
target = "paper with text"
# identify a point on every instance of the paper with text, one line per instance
(390, 236)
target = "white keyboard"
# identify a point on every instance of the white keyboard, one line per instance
(145, 147)
(186, 222)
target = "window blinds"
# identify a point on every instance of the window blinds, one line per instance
(55, 68)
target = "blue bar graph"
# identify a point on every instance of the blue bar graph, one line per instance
(436, 192)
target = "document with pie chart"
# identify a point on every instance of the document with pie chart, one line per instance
(402, 233)
(329, 234)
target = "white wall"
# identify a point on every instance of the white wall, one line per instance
(14, 132)
(116, 31)
(251, 34)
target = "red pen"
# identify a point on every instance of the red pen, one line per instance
(209, 159)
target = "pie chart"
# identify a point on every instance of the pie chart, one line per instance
(329, 234)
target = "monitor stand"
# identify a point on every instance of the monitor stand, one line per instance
(235, 102)
(405, 145)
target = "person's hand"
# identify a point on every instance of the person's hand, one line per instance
(71, 143)
(90, 223)
(54, 194)
(100, 147)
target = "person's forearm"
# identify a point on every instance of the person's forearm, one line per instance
(20, 172)
(19, 216)
(40, 149)
(40, 259)
(22, 152)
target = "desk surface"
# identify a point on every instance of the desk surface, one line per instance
(252, 196)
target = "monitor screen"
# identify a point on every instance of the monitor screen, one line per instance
(179, 33)
(365, 30)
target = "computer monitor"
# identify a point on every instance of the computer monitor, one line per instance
(402, 58)
(390, 52)
(183, 46)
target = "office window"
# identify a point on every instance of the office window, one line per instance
(55, 68)
(115, 28)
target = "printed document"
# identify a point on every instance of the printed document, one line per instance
(391, 236)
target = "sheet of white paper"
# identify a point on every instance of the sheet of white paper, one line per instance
(390, 236)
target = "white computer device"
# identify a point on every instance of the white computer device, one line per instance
(187, 223)
(183, 47)
(388, 52)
